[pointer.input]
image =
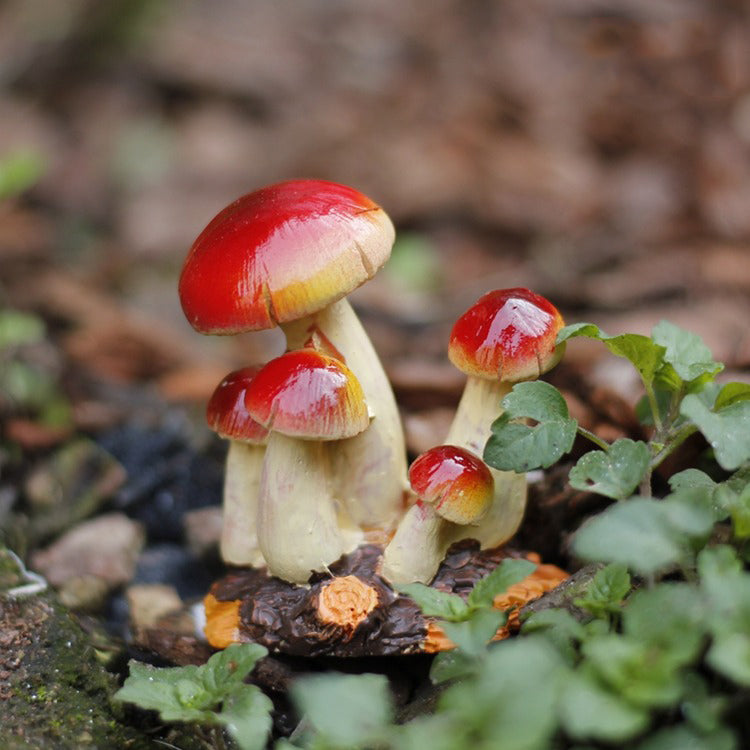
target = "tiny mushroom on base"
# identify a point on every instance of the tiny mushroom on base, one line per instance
(303, 398)
(287, 255)
(506, 337)
(454, 488)
(227, 415)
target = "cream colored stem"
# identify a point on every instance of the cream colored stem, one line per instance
(418, 546)
(297, 527)
(478, 409)
(370, 469)
(239, 540)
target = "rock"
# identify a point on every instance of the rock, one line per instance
(203, 529)
(149, 602)
(69, 486)
(106, 547)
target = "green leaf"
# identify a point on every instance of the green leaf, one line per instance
(246, 714)
(727, 431)
(633, 533)
(608, 588)
(684, 737)
(450, 665)
(473, 635)
(228, 668)
(739, 511)
(641, 351)
(560, 628)
(159, 690)
(590, 711)
(640, 673)
(730, 655)
(497, 705)
(514, 446)
(435, 603)
(195, 694)
(685, 352)
(669, 616)
(346, 710)
(613, 473)
(718, 568)
(191, 694)
(435, 732)
(690, 478)
(497, 582)
(730, 394)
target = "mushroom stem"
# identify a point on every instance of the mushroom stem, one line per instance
(478, 409)
(418, 546)
(239, 539)
(298, 531)
(370, 467)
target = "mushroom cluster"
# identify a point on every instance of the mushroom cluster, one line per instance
(316, 463)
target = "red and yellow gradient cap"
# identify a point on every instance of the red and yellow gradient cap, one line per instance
(308, 395)
(281, 253)
(226, 412)
(508, 334)
(454, 481)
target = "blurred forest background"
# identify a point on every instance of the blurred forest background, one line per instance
(596, 151)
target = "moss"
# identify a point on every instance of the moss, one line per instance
(53, 690)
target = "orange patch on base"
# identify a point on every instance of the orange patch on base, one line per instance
(346, 601)
(543, 579)
(222, 621)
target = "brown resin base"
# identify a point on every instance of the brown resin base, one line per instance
(354, 612)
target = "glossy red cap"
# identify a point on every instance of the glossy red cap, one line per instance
(308, 395)
(454, 481)
(509, 335)
(226, 412)
(280, 253)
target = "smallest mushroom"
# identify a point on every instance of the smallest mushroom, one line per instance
(454, 487)
(227, 415)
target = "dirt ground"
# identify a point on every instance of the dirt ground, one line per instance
(595, 151)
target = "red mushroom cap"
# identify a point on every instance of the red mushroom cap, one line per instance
(226, 412)
(308, 395)
(280, 253)
(455, 481)
(509, 335)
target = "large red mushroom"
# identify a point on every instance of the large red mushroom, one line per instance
(506, 337)
(287, 255)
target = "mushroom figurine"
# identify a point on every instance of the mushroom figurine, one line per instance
(454, 488)
(287, 255)
(506, 337)
(303, 398)
(227, 415)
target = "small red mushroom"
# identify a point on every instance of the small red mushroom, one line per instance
(454, 488)
(507, 336)
(227, 415)
(303, 398)
(287, 255)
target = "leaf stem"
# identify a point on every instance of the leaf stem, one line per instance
(603, 444)
(654, 404)
(672, 444)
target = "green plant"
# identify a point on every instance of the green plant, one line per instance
(655, 654)
(214, 694)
